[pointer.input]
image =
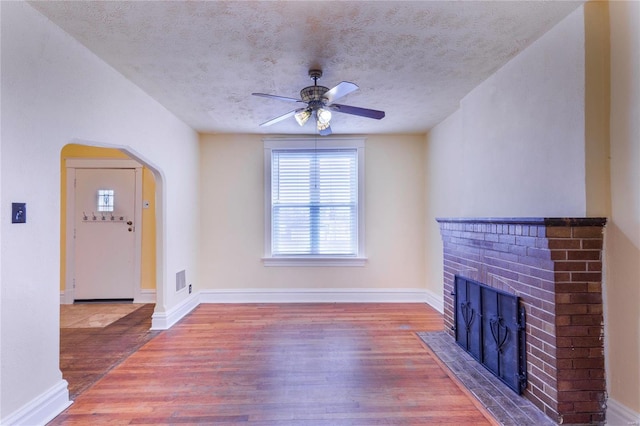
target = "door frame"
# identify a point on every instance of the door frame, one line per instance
(71, 164)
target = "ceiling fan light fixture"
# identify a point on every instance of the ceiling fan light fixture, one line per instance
(324, 116)
(302, 116)
(325, 130)
(322, 126)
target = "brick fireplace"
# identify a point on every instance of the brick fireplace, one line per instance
(555, 266)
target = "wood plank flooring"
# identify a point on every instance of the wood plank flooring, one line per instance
(88, 353)
(94, 315)
(275, 364)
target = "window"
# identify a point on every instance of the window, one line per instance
(313, 202)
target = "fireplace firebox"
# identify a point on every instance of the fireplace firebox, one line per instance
(490, 325)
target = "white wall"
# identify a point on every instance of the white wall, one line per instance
(54, 91)
(515, 147)
(622, 308)
(233, 224)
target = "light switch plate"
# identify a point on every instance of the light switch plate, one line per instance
(18, 212)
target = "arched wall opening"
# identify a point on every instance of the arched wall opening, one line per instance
(151, 253)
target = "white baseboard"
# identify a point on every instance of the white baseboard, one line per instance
(164, 320)
(620, 415)
(436, 301)
(145, 296)
(41, 409)
(298, 295)
(66, 297)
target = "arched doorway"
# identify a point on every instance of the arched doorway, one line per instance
(91, 157)
(104, 333)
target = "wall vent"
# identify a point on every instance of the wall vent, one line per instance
(181, 280)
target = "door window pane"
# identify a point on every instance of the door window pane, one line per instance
(105, 200)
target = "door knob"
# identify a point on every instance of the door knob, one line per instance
(129, 223)
(130, 229)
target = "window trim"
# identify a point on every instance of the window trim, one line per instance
(323, 143)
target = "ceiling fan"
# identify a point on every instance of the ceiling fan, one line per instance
(320, 103)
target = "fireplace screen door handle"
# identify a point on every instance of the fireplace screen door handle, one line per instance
(499, 331)
(467, 314)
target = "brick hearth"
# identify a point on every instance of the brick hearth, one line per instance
(555, 267)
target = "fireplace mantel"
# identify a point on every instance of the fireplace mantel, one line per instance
(555, 266)
(531, 221)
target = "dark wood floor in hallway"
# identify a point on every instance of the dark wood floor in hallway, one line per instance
(88, 353)
(291, 364)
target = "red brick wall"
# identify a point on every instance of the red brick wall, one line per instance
(555, 267)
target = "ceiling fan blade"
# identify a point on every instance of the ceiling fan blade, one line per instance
(362, 112)
(281, 98)
(342, 89)
(280, 118)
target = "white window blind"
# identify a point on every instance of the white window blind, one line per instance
(314, 202)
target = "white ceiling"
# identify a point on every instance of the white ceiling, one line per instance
(203, 59)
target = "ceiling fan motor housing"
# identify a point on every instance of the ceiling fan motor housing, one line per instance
(313, 93)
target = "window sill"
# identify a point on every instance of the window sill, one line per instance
(314, 261)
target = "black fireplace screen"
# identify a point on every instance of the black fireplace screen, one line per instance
(490, 325)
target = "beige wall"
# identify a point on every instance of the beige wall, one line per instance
(597, 106)
(515, 147)
(232, 223)
(622, 310)
(533, 140)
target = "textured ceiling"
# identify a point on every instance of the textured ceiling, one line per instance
(203, 59)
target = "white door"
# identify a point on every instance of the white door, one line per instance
(104, 254)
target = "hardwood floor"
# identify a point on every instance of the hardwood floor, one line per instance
(274, 364)
(94, 315)
(88, 353)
